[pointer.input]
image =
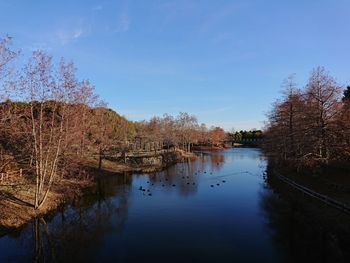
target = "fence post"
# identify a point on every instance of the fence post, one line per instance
(20, 172)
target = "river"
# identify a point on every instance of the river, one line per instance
(217, 208)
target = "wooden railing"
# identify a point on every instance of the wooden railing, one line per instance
(323, 198)
(9, 175)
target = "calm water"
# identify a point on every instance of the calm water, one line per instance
(217, 208)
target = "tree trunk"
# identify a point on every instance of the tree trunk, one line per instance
(100, 159)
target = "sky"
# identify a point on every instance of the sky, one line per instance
(223, 61)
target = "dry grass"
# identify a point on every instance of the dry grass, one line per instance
(16, 200)
(16, 203)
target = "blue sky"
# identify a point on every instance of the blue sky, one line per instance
(223, 61)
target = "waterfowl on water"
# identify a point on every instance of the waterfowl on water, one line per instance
(217, 184)
(150, 194)
(223, 181)
(211, 185)
(174, 185)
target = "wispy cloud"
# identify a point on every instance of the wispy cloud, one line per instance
(71, 30)
(66, 36)
(123, 23)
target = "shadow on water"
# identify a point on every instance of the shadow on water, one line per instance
(184, 219)
(305, 230)
(73, 232)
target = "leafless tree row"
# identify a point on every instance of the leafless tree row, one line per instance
(51, 122)
(49, 118)
(311, 125)
(182, 131)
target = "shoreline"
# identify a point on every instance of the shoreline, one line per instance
(330, 184)
(16, 200)
(208, 148)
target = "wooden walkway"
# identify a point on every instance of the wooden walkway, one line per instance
(323, 198)
(137, 154)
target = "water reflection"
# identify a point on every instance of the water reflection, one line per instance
(75, 231)
(304, 229)
(184, 219)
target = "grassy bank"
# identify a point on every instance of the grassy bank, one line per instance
(17, 198)
(331, 181)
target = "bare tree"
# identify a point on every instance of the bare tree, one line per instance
(323, 104)
(51, 94)
(306, 125)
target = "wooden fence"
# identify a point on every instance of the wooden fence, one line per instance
(9, 175)
(323, 198)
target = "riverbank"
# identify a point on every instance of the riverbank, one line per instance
(16, 204)
(333, 183)
(306, 221)
(208, 148)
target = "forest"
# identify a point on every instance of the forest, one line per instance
(310, 126)
(53, 125)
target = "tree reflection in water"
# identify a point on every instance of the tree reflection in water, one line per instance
(75, 232)
(184, 177)
(305, 233)
(44, 248)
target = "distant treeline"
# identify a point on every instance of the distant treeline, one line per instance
(252, 135)
(310, 126)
